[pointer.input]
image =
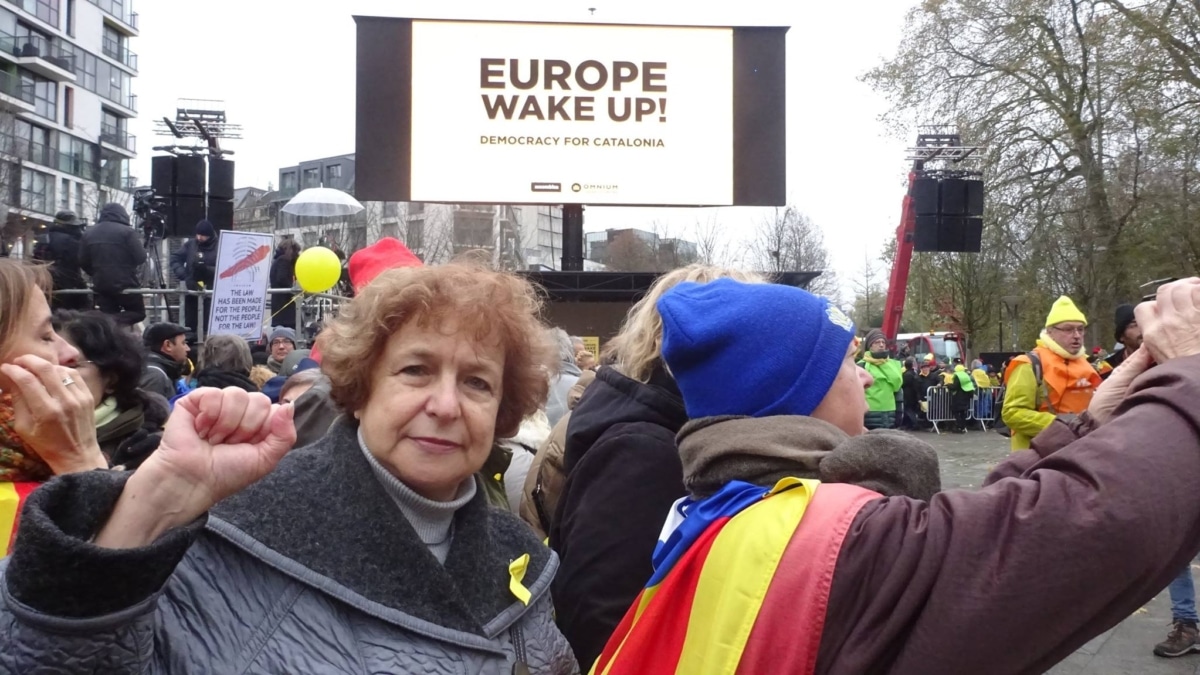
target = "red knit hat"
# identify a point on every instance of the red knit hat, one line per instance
(383, 255)
(370, 262)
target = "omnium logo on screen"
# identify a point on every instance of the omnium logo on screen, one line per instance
(571, 113)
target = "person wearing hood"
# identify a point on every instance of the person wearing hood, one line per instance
(568, 375)
(888, 379)
(1053, 379)
(60, 248)
(283, 275)
(195, 264)
(281, 342)
(622, 474)
(805, 545)
(112, 254)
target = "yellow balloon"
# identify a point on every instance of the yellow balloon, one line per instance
(318, 269)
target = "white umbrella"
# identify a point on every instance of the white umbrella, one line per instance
(322, 201)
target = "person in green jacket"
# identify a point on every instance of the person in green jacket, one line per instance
(889, 379)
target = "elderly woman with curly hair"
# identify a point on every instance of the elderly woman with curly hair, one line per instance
(372, 550)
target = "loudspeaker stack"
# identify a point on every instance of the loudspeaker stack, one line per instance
(195, 188)
(949, 214)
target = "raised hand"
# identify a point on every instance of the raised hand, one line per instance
(1171, 323)
(1113, 391)
(217, 442)
(53, 413)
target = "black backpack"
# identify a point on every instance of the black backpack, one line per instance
(1035, 361)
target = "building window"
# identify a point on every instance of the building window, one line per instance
(416, 208)
(64, 195)
(68, 107)
(45, 98)
(46, 10)
(333, 174)
(312, 178)
(36, 190)
(287, 182)
(357, 239)
(472, 232)
(414, 236)
(391, 209)
(70, 27)
(389, 230)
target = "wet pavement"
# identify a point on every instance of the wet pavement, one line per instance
(1126, 649)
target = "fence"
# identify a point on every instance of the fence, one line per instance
(311, 308)
(985, 405)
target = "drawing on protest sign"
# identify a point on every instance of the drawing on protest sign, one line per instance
(240, 284)
(497, 112)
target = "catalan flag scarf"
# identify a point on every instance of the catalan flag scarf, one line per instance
(711, 576)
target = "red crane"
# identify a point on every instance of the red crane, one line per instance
(941, 148)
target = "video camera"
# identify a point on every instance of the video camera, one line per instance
(1154, 286)
(148, 207)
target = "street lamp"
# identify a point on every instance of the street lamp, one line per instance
(1012, 302)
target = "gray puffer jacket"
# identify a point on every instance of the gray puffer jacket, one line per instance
(311, 570)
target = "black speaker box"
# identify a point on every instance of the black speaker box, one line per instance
(220, 178)
(220, 213)
(974, 198)
(926, 238)
(925, 196)
(162, 175)
(953, 197)
(957, 234)
(185, 213)
(189, 176)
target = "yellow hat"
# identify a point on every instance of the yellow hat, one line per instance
(1064, 310)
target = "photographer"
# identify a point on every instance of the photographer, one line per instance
(111, 253)
(195, 264)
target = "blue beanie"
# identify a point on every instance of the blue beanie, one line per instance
(755, 350)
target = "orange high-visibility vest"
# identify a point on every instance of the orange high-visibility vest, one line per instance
(1066, 385)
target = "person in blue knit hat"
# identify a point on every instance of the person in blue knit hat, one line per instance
(828, 549)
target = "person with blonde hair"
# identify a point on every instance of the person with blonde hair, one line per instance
(623, 473)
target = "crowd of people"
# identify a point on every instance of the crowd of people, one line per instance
(443, 483)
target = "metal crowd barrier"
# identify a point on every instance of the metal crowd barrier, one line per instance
(985, 405)
(310, 307)
(939, 406)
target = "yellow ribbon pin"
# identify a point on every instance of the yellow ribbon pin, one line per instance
(516, 572)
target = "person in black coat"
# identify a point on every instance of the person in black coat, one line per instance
(913, 393)
(112, 254)
(623, 473)
(283, 275)
(60, 247)
(195, 264)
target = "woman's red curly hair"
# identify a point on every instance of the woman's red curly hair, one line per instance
(487, 305)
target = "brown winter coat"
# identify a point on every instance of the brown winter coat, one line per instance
(544, 482)
(1063, 542)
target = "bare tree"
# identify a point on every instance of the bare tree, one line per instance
(869, 295)
(786, 240)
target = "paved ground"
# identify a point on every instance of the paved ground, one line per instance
(1124, 650)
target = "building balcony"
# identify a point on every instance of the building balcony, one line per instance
(126, 104)
(17, 93)
(121, 11)
(38, 55)
(488, 209)
(121, 54)
(119, 140)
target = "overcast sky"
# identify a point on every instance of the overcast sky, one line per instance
(285, 70)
